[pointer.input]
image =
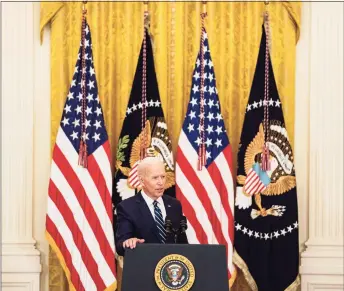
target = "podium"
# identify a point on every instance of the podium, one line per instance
(175, 267)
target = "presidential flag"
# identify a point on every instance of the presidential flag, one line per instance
(135, 131)
(206, 189)
(266, 218)
(79, 215)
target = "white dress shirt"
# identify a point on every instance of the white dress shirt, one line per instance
(150, 204)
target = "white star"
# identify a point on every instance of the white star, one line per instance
(196, 75)
(271, 102)
(210, 116)
(151, 103)
(255, 104)
(88, 110)
(201, 115)
(205, 35)
(97, 99)
(192, 114)
(86, 29)
(86, 56)
(204, 76)
(295, 224)
(89, 97)
(96, 136)
(211, 90)
(210, 64)
(210, 77)
(276, 234)
(191, 127)
(205, 48)
(203, 102)
(128, 110)
(157, 103)
(85, 136)
(290, 228)
(248, 107)
(211, 103)
(73, 83)
(140, 105)
(195, 88)
(76, 122)
(90, 84)
(283, 232)
(67, 109)
(200, 128)
(78, 109)
(208, 142)
(256, 234)
(244, 230)
(88, 123)
(92, 72)
(238, 226)
(76, 69)
(218, 117)
(98, 111)
(193, 101)
(65, 121)
(260, 103)
(218, 142)
(278, 103)
(97, 124)
(80, 96)
(218, 129)
(250, 233)
(84, 70)
(209, 129)
(198, 141)
(87, 43)
(198, 62)
(74, 135)
(79, 55)
(146, 103)
(134, 107)
(266, 236)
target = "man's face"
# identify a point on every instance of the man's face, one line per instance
(153, 182)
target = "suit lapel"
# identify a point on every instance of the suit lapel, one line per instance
(147, 215)
(168, 207)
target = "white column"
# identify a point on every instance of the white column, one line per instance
(322, 262)
(20, 259)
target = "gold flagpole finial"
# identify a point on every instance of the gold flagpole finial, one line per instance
(266, 3)
(145, 5)
(84, 5)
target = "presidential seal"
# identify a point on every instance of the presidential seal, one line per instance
(174, 272)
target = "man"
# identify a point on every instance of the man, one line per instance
(141, 219)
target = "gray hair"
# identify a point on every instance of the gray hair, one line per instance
(145, 163)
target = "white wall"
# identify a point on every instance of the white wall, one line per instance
(26, 146)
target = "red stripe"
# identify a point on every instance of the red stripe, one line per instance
(190, 214)
(54, 233)
(99, 180)
(222, 189)
(85, 204)
(253, 188)
(203, 196)
(250, 182)
(91, 265)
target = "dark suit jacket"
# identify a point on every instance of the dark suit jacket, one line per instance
(134, 219)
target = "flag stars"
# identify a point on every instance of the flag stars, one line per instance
(90, 84)
(78, 109)
(277, 103)
(211, 90)
(218, 117)
(195, 89)
(157, 103)
(74, 135)
(92, 72)
(209, 129)
(209, 142)
(271, 102)
(218, 143)
(210, 64)
(87, 123)
(219, 130)
(88, 110)
(193, 101)
(192, 114)
(97, 124)
(276, 234)
(80, 96)
(67, 109)
(238, 226)
(85, 136)
(295, 224)
(196, 75)
(96, 136)
(191, 127)
(283, 232)
(65, 121)
(89, 97)
(210, 116)
(290, 228)
(151, 102)
(73, 84)
(98, 111)
(211, 103)
(198, 141)
(76, 122)
(211, 77)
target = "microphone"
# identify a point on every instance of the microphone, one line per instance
(183, 225)
(168, 226)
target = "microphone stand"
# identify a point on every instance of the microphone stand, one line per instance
(176, 232)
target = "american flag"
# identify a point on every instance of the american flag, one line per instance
(79, 216)
(207, 196)
(256, 181)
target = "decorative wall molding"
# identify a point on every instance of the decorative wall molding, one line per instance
(20, 259)
(322, 262)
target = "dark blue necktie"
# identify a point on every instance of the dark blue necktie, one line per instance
(159, 222)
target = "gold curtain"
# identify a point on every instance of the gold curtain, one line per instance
(234, 31)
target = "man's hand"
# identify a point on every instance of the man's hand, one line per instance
(131, 242)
